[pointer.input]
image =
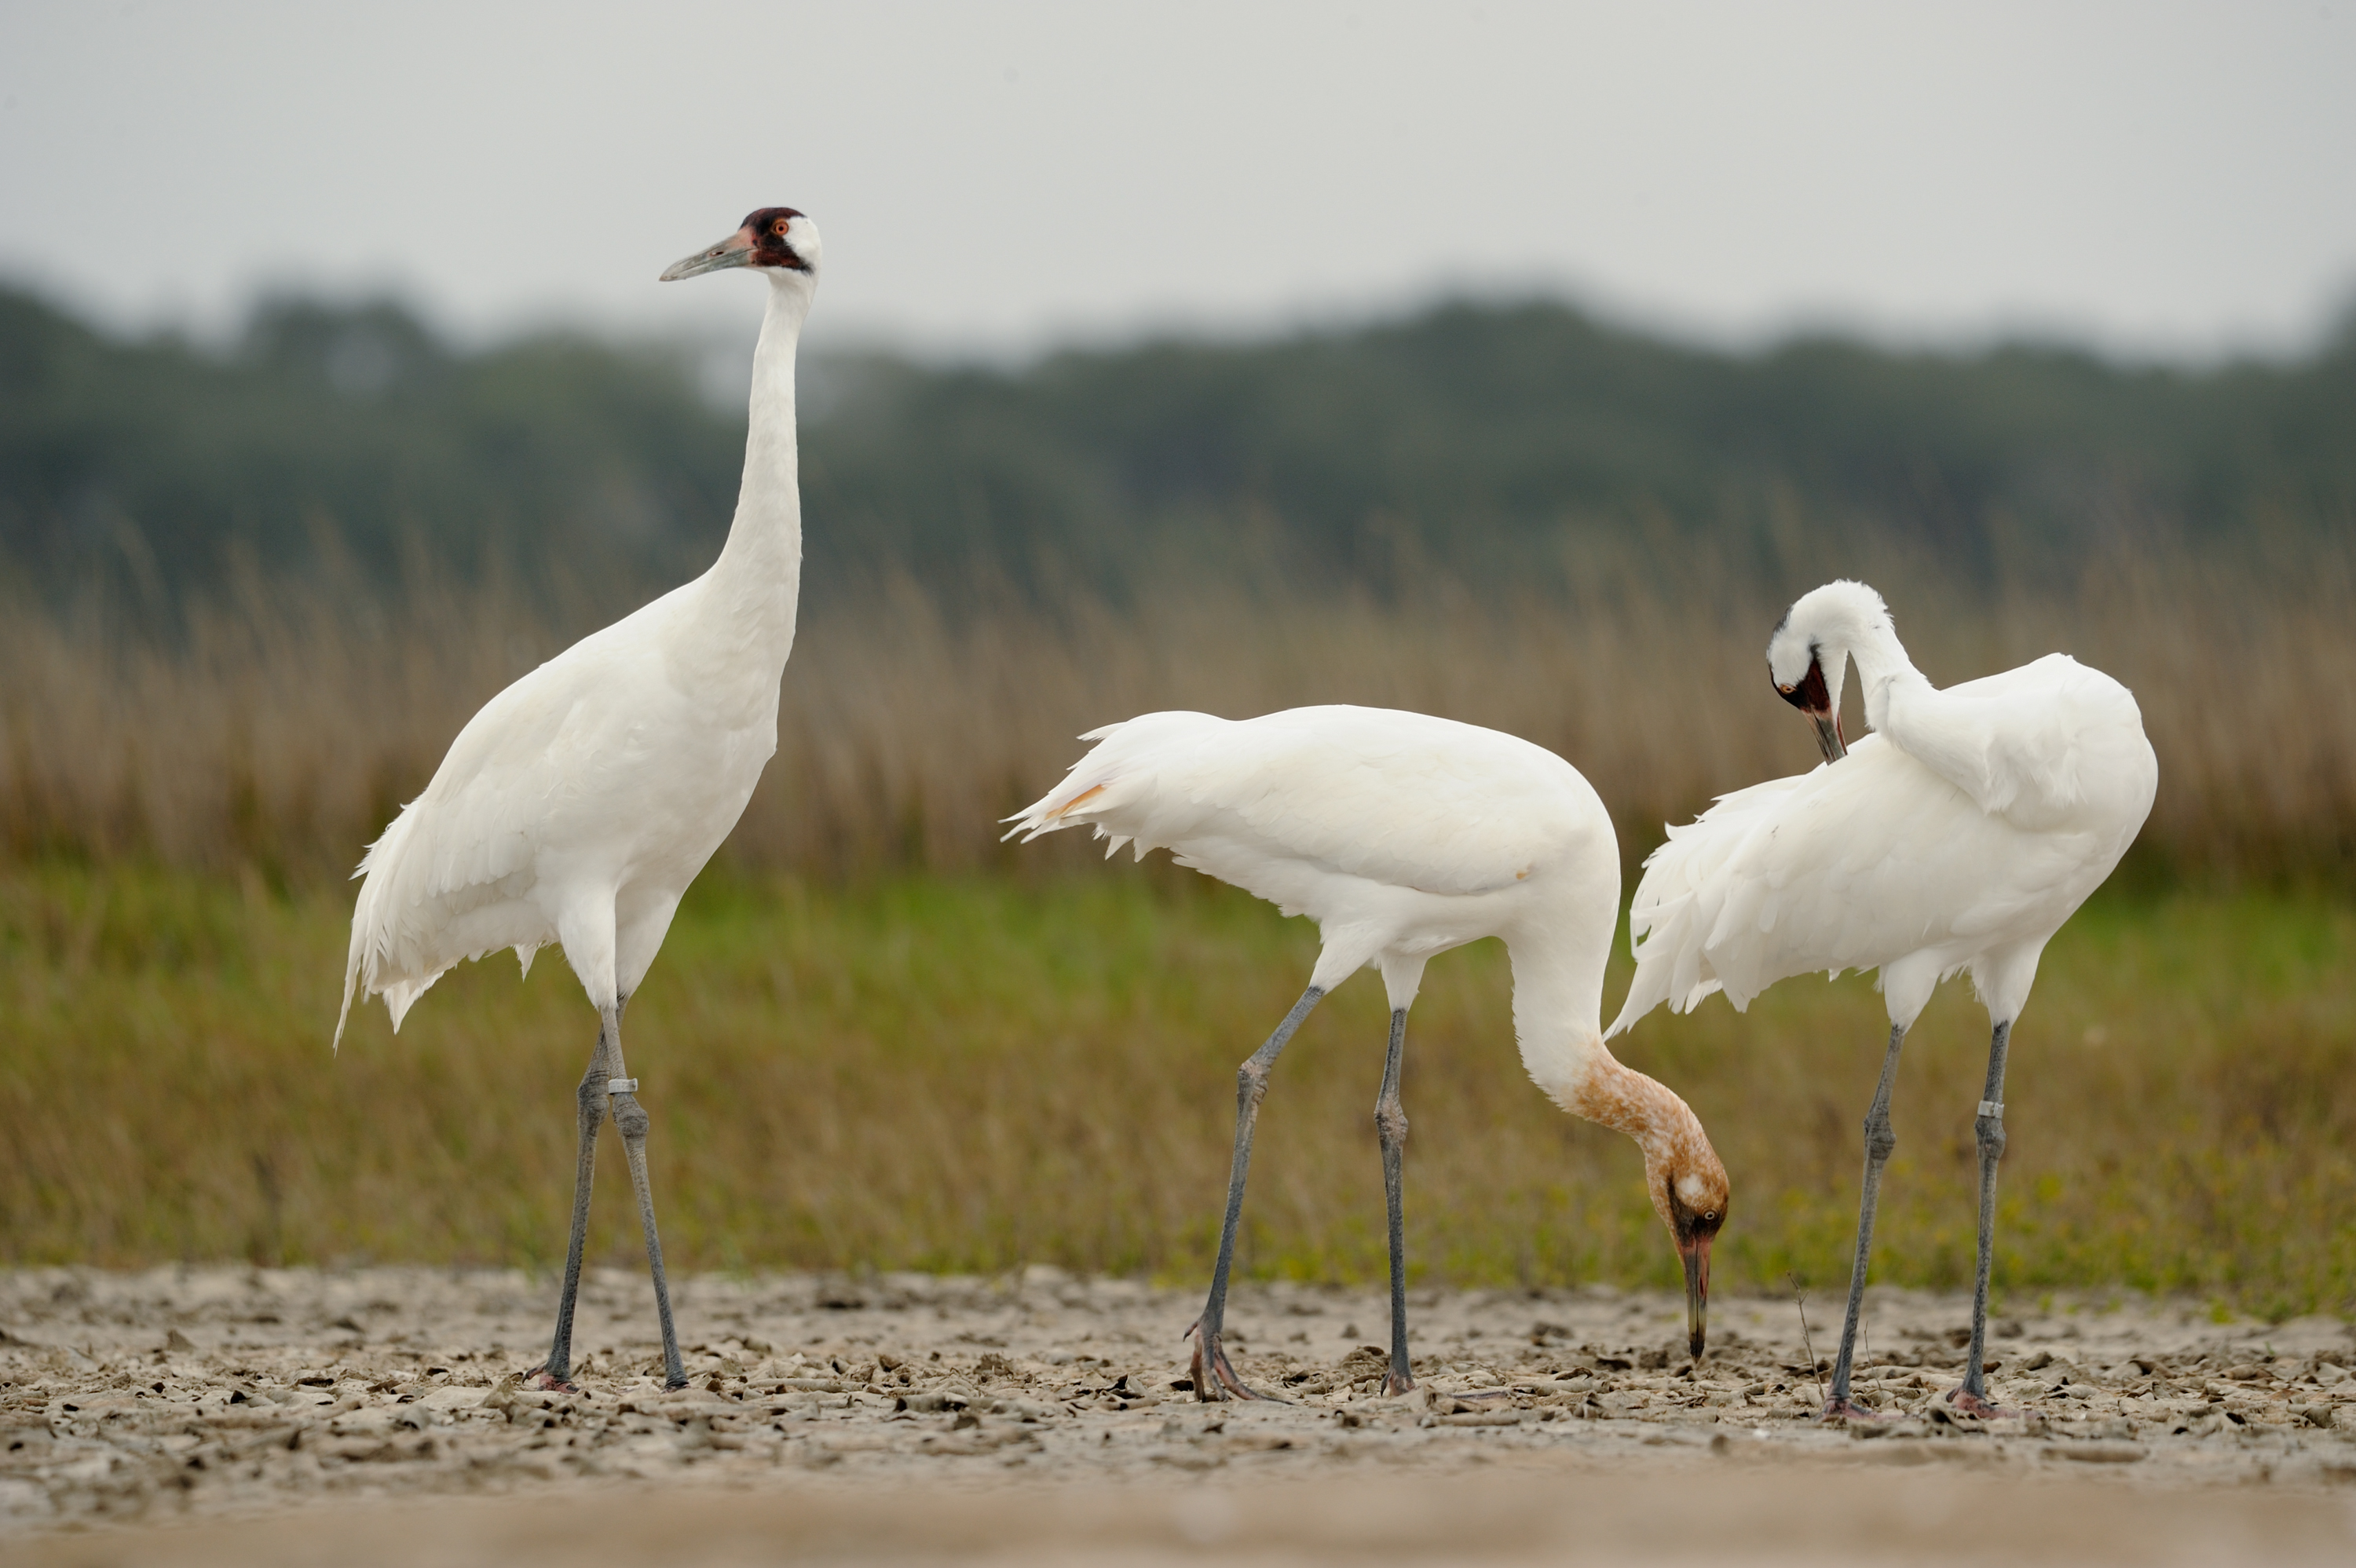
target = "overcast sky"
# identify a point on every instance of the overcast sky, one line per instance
(2156, 177)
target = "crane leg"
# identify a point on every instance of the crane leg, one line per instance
(1879, 1141)
(1390, 1127)
(1973, 1397)
(631, 1119)
(1215, 1377)
(556, 1372)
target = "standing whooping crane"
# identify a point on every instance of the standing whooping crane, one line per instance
(1402, 837)
(579, 803)
(1960, 835)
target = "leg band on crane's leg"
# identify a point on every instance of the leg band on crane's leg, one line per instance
(1988, 1128)
(1390, 1128)
(631, 1119)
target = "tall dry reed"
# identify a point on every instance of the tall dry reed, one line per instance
(280, 726)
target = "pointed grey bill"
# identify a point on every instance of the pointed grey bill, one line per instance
(736, 251)
(1828, 735)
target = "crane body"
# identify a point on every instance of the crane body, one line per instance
(1402, 835)
(577, 804)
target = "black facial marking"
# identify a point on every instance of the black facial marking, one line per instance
(770, 247)
(1811, 695)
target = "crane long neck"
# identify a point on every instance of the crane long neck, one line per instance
(1557, 1008)
(1887, 675)
(757, 578)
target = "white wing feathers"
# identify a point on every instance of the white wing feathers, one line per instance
(446, 881)
(1401, 799)
(1852, 866)
(2012, 741)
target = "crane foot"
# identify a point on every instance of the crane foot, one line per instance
(1214, 1375)
(1846, 1410)
(539, 1378)
(1967, 1403)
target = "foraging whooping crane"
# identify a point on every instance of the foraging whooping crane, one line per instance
(579, 803)
(1402, 837)
(1960, 835)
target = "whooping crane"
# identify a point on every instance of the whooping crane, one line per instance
(1402, 837)
(579, 803)
(1960, 835)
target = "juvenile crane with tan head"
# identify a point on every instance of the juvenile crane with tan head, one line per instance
(1402, 837)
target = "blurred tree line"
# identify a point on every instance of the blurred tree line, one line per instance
(1484, 435)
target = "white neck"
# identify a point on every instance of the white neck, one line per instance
(755, 584)
(1864, 633)
(1558, 963)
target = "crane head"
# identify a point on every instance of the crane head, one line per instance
(1812, 697)
(1809, 654)
(1690, 1191)
(778, 239)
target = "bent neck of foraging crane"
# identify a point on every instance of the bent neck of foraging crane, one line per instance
(1558, 1011)
(757, 578)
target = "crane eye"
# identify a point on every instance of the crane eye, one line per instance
(779, 227)
(1784, 689)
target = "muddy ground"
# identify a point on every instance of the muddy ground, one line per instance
(224, 1404)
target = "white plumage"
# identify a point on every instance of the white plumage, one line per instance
(576, 807)
(1403, 836)
(1959, 836)
(1344, 815)
(579, 803)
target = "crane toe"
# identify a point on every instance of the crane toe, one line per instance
(1215, 1376)
(1964, 1402)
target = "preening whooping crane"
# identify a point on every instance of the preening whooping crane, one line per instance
(1402, 837)
(1960, 835)
(579, 803)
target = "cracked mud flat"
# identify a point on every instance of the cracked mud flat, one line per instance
(856, 1416)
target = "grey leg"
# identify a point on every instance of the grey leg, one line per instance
(1390, 1127)
(1880, 1139)
(556, 1372)
(1989, 1125)
(1215, 1379)
(631, 1119)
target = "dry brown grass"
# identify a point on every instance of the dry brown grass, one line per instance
(281, 731)
(869, 1056)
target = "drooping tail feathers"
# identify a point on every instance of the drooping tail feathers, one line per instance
(375, 933)
(1113, 789)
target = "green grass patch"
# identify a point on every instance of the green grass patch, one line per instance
(969, 1074)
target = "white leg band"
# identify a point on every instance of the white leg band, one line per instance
(1992, 1109)
(621, 1086)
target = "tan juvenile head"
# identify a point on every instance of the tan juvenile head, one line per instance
(1689, 1191)
(1683, 1176)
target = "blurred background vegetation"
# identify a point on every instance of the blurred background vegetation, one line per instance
(1488, 438)
(248, 592)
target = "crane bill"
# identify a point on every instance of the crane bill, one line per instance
(736, 251)
(1696, 1255)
